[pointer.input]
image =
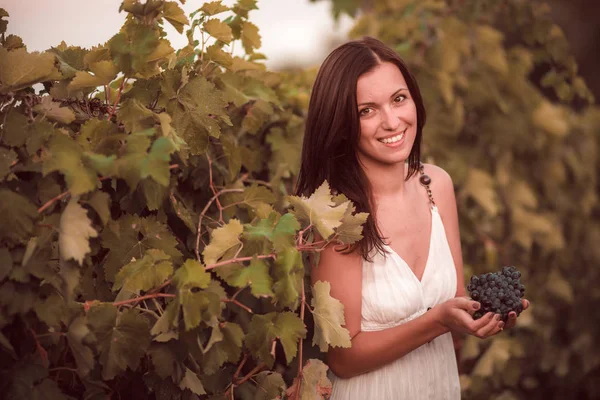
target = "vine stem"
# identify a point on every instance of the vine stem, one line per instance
(52, 201)
(114, 107)
(212, 199)
(40, 349)
(300, 363)
(221, 263)
(145, 297)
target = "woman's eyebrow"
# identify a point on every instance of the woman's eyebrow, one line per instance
(392, 96)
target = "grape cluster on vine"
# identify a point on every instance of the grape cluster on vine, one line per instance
(497, 292)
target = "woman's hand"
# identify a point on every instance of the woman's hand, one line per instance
(456, 314)
(512, 316)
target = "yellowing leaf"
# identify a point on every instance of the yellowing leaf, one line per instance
(75, 231)
(104, 72)
(314, 383)
(54, 112)
(20, 69)
(216, 54)
(329, 318)
(192, 382)
(175, 15)
(319, 210)
(222, 239)
(213, 8)
(350, 231)
(250, 37)
(142, 275)
(552, 119)
(219, 30)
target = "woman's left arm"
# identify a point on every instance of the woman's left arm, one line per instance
(442, 188)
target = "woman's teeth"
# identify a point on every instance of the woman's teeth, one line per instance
(393, 139)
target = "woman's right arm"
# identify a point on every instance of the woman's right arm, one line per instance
(371, 350)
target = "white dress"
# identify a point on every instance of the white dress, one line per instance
(391, 296)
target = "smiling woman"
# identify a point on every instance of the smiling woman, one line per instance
(402, 284)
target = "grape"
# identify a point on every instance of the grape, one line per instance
(499, 292)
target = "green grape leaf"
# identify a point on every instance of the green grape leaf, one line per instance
(329, 318)
(149, 272)
(282, 230)
(319, 210)
(263, 329)
(20, 69)
(175, 15)
(7, 158)
(350, 231)
(197, 304)
(231, 149)
(228, 349)
(218, 29)
(131, 48)
(123, 338)
(191, 275)
(153, 192)
(50, 310)
(12, 131)
(258, 114)
(66, 157)
(314, 383)
(163, 359)
(250, 37)
(156, 164)
(130, 237)
(100, 136)
(54, 112)
(288, 275)
(271, 384)
(84, 357)
(192, 382)
(222, 239)
(100, 202)
(256, 275)
(213, 8)
(135, 116)
(205, 104)
(75, 232)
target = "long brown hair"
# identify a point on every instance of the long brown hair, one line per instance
(329, 151)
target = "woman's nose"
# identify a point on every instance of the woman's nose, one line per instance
(389, 121)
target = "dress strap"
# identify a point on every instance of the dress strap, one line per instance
(425, 180)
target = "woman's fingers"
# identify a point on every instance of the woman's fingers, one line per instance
(491, 328)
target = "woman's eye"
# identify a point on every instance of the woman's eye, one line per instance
(399, 98)
(365, 111)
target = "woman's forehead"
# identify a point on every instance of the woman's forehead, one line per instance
(382, 81)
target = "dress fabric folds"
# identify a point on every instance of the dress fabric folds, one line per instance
(392, 295)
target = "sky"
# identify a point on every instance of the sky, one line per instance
(295, 30)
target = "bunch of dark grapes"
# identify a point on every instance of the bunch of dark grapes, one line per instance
(498, 292)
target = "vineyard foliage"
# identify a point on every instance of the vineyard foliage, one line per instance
(516, 127)
(150, 247)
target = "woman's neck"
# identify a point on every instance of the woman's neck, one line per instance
(386, 180)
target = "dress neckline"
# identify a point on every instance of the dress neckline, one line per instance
(434, 212)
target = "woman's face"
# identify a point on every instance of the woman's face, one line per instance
(388, 116)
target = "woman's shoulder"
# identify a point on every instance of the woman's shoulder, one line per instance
(441, 184)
